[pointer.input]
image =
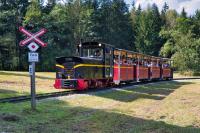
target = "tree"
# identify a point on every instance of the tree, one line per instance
(134, 15)
(196, 20)
(112, 24)
(163, 13)
(182, 43)
(183, 13)
(165, 7)
(133, 5)
(148, 27)
(187, 55)
(171, 17)
(34, 13)
(197, 15)
(139, 10)
(11, 17)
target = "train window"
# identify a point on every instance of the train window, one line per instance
(124, 60)
(129, 61)
(93, 53)
(166, 65)
(158, 64)
(134, 61)
(145, 64)
(153, 64)
(116, 59)
(116, 56)
(107, 50)
(139, 61)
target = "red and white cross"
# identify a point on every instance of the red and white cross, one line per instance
(32, 37)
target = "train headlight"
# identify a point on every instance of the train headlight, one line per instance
(99, 44)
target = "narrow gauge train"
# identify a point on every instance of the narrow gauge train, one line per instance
(102, 65)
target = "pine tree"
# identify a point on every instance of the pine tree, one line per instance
(196, 20)
(112, 23)
(148, 27)
(165, 8)
(156, 16)
(197, 15)
(11, 17)
(139, 10)
(183, 13)
(133, 5)
(163, 13)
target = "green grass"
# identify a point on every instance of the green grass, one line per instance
(186, 75)
(165, 107)
(18, 83)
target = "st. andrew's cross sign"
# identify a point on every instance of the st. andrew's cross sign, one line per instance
(32, 37)
(32, 41)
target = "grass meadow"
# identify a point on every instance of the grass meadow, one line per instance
(164, 107)
(18, 83)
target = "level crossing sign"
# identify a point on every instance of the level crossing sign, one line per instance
(33, 42)
(32, 37)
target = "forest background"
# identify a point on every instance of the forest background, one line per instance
(166, 33)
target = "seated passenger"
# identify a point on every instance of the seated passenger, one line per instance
(166, 65)
(98, 53)
(145, 64)
(116, 59)
(149, 64)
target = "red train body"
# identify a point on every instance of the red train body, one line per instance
(102, 65)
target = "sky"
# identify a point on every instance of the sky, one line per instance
(190, 5)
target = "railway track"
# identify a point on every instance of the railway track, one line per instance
(71, 92)
(47, 95)
(38, 96)
(185, 78)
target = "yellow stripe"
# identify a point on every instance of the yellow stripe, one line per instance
(60, 66)
(90, 65)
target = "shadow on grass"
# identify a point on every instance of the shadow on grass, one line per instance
(6, 93)
(156, 91)
(21, 74)
(59, 117)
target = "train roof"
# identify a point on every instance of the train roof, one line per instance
(127, 51)
(141, 54)
(93, 43)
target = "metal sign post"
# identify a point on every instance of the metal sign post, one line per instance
(33, 98)
(33, 41)
(32, 58)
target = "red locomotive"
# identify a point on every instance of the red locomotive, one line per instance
(102, 65)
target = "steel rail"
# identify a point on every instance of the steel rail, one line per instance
(38, 96)
(185, 78)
